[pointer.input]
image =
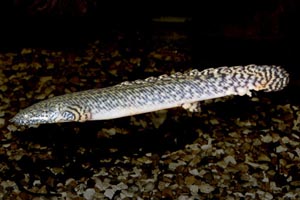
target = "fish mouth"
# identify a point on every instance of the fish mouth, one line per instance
(18, 120)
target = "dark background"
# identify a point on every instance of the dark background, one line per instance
(221, 32)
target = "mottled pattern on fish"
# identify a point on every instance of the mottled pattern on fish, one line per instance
(154, 93)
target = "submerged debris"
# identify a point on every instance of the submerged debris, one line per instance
(236, 147)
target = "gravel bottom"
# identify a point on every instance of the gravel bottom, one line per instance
(236, 148)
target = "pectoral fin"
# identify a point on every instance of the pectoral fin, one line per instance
(192, 107)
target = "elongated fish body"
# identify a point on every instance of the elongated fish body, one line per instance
(154, 93)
